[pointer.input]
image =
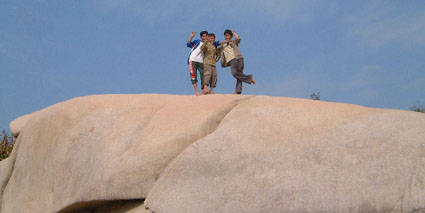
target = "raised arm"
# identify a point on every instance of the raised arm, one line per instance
(189, 43)
(192, 35)
(238, 37)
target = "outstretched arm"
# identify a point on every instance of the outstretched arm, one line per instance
(220, 44)
(217, 55)
(224, 42)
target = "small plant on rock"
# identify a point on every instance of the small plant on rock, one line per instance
(420, 108)
(6, 145)
(315, 96)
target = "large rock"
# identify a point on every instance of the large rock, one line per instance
(87, 151)
(218, 153)
(278, 155)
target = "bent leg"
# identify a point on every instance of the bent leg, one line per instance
(237, 66)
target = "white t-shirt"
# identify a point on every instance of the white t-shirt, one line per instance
(197, 55)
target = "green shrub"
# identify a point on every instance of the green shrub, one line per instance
(315, 96)
(418, 108)
(6, 145)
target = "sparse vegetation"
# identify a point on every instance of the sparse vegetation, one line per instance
(315, 96)
(420, 108)
(6, 145)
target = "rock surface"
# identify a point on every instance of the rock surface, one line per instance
(18, 124)
(217, 153)
(300, 156)
(86, 151)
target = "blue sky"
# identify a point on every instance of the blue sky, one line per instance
(370, 53)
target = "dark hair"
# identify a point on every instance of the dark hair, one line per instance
(228, 32)
(211, 34)
(203, 32)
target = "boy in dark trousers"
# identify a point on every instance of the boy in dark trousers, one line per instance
(196, 59)
(232, 56)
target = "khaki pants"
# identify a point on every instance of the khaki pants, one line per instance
(210, 75)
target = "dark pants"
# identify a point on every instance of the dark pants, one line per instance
(194, 66)
(237, 66)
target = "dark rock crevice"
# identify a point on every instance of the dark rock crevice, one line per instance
(103, 206)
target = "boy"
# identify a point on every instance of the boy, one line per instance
(211, 57)
(196, 59)
(232, 56)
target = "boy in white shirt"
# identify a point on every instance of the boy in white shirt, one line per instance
(196, 59)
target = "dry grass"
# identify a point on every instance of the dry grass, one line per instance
(6, 145)
(419, 108)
